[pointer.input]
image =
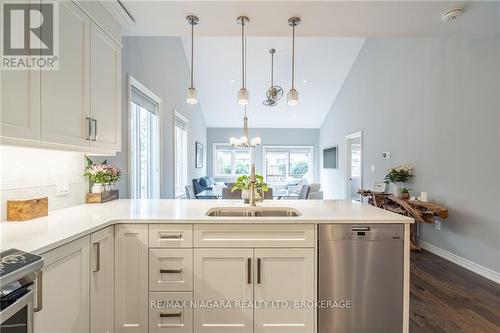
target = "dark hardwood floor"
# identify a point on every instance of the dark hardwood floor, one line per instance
(445, 297)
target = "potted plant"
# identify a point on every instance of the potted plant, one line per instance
(102, 176)
(397, 177)
(405, 193)
(243, 184)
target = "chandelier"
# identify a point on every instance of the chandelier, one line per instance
(242, 141)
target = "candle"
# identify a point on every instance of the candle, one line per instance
(424, 197)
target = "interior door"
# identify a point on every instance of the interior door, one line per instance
(354, 169)
(284, 275)
(65, 92)
(223, 275)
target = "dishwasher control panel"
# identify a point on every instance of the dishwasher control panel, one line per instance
(361, 232)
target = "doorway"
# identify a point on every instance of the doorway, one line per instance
(354, 169)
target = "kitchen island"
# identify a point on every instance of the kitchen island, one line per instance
(154, 251)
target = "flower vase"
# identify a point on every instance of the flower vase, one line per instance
(98, 188)
(245, 195)
(396, 189)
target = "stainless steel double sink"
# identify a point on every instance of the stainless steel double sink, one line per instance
(253, 212)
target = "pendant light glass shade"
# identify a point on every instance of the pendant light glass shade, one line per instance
(293, 97)
(192, 94)
(243, 96)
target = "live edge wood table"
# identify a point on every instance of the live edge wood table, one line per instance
(421, 212)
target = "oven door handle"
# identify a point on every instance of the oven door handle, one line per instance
(25, 300)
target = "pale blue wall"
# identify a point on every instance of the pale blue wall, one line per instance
(434, 104)
(270, 137)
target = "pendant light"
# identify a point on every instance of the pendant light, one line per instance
(274, 93)
(242, 141)
(192, 95)
(243, 92)
(293, 95)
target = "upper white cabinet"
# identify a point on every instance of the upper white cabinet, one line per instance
(102, 292)
(77, 106)
(66, 92)
(20, 104)
(105, 90)
(64, 293)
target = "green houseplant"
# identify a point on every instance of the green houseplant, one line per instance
(243, 184)
(405, 192)
(397, 177)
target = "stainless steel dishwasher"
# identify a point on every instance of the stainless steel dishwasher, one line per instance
(361, 276)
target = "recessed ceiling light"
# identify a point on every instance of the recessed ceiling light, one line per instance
(452, 14)
(232, 81)
(305, 81)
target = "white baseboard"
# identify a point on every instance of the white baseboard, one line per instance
(465, 263)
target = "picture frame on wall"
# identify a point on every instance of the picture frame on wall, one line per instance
(199, 155)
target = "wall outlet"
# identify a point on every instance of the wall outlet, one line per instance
(386, 155)
(62, 188)
(437, 225)
(372, 168)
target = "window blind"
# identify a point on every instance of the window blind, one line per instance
(143, 101)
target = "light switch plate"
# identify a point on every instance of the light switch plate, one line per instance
(62, 188)
(437, 225)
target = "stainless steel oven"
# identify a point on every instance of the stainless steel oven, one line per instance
(18, 273)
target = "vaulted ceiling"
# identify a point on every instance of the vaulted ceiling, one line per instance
(329, 39)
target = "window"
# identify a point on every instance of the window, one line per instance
(230, 161)
(144, 142)
(181, 164)
(287, 165)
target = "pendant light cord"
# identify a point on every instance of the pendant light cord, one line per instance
(272, 69)
(192, 51)
(243, 50)
(293, 57)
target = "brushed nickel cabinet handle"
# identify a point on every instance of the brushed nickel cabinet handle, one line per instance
(96, 262)
(89, 128)
(170, 315)
(167, 271)
(249, 270)
(178, 236)
(94, 137)
(38, 286)
(259, 271)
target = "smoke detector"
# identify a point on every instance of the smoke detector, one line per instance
(452, 14)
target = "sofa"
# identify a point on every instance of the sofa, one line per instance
(202, 184)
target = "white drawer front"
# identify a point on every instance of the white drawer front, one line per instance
(170, 269)
(170, 235)
(167, 314)
(246, 235)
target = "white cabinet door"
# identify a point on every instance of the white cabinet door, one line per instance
(102, 281)
(20, 104)
(65, 92)
(131, 278)
(65, 289)
(105, 91)
(223, 275)
(287, 275)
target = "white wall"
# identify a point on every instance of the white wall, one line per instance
(434, 104)
(28, 173)
(160, 64)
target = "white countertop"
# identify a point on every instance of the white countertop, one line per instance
(64, 225)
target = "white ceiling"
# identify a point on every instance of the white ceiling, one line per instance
(319, 18)
(329, 39)
(322, 64)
